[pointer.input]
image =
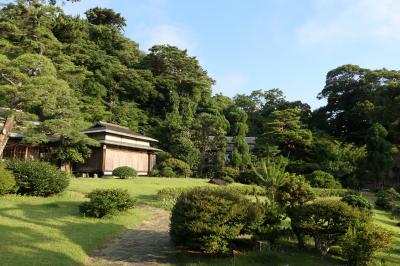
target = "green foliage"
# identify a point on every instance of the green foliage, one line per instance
(362, 241)
(324, 220)
(329, 192)
(124, 172)
(107, 202)
(357, 201)
(105, 16)
(285, 129)
(227, 179)
(295, 192)
(38, 178)
(229, 171)
(7, 181)
(323, 179)
(379, 152)
(387, 199)
(271, 173)
(179, 167)
(167, 172)
(248, 177)
(208, 219)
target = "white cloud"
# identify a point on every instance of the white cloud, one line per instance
(166, 34)
(231, 83)
(349, 21)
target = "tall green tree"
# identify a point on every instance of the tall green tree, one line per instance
(379, 153)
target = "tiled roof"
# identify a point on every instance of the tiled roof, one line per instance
(112, 128)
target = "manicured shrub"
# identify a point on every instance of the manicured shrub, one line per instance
(179, 167)
(296, 191)
(124, 172)
(38, 178)
(357, 201)
(387, 199)
(7, 181)
(228, 171)
(330, 192)
(154, 172)
(167, 172)
(362, 241)
(323, 179)
(396, 212)
(209, 219)
(169, 196)
(248, 177)
(324, 220)
(107, 202)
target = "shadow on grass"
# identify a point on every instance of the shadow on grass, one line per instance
(36, 234)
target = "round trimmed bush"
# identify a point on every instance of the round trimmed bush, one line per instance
(107, 202)
(387, 199)
(323, 179)
(296, 191)
(362, 241)
(229, 171)
(124, 172)
(7, 181)
(248, 177)
(327, 221)
(38, 178)
(167, 172)
(179, 167)
(208, 220)
(357, 201)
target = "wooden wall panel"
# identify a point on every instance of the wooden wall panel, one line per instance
(116, 157)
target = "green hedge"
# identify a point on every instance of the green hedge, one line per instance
(209, 220)
(124, 172)
(168, 196)
(107, 202)
(7, 181)
(38, 178)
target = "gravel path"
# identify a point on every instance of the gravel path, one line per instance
(148, 244)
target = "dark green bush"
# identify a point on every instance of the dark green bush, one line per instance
(327, 221)
(248, 177)
(396, 212)
(209, 219)
(296, 191)
(328, 192)
(38, 178)
(107, 202)
(323, 179)
(361, 242)
(154, 172)
(124, 172)
(357, 201)
(167, 172)
(7, 181)
(387, 199)
(179, 167)
(228, 171)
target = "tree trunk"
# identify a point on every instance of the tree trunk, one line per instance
(5, 133)
(320, 245)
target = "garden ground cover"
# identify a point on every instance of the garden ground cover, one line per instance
(50, 231)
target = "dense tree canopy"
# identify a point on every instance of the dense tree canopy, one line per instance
(67, 72)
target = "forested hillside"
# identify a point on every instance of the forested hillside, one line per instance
(69, 72)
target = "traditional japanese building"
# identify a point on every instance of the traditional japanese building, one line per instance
(119, 146)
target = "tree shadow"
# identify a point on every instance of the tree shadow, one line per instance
(35, 237)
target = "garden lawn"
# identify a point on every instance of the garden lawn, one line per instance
(51, 231)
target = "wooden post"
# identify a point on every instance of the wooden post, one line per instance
(26, 152)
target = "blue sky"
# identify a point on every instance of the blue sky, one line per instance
(255, 44)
